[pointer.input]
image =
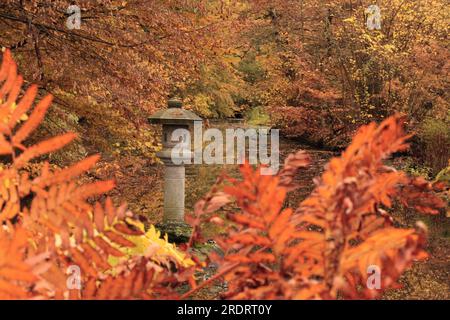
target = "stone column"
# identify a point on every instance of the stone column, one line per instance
(174, 187)
(173, 119)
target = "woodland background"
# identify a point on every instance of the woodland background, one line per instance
(310, 68)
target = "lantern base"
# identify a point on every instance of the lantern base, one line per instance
(177, 231)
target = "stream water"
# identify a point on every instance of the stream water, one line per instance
(200, 177)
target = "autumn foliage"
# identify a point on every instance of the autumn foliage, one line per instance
(324, 248)
(320, 250)
(49, 225)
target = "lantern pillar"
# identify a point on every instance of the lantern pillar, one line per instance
(172, 119)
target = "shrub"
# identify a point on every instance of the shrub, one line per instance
(251, 69)
(434, 141)
(256, 116)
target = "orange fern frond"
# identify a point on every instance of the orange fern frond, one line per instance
(58, 221)
(325, 247)
(16, 276)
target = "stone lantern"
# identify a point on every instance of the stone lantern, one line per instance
(172, 119)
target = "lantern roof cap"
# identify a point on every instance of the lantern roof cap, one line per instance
(174, 114)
